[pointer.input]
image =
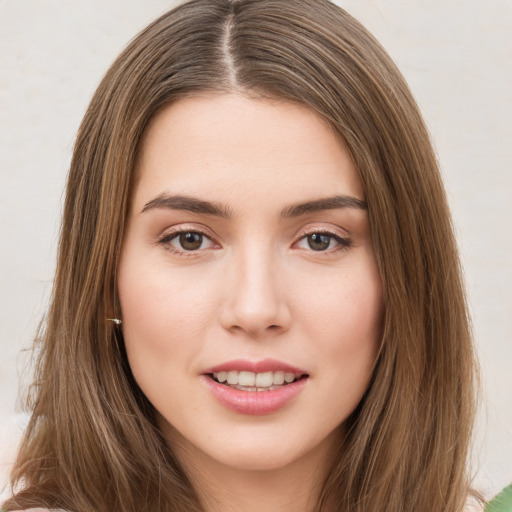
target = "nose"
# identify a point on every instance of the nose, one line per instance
(255, 300)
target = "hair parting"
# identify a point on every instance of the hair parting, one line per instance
(92, 442)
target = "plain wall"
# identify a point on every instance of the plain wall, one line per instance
(457, 57)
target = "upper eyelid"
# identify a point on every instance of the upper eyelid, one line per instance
(184, 228)
(167, 236)
(343, 239)
(331, 230)
(173, 231)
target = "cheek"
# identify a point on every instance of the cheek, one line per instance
(344, 319)
(156, 295)
(351, 299)
(165, 315)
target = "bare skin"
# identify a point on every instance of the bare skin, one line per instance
(248, 249)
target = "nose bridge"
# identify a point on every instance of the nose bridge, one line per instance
(256, 300)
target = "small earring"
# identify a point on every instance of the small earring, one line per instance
(115, 320)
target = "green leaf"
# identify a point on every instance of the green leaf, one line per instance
(502, 502)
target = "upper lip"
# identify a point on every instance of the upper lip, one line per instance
(262, 366)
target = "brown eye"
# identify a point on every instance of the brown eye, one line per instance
(319, 241)
(323, 241)
(190, 241)
(187, 241)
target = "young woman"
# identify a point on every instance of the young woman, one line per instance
(258, 300)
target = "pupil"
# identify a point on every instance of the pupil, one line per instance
(319, 242)
(191, 241)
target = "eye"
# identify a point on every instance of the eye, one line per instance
(187, 241)
(323, 241)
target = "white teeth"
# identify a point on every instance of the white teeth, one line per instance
(264, 380)
(246, 379)
(289, 377)
(278, 378)
(232, 377)
(253, 388)
(256, 381)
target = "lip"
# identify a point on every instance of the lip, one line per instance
(265, 365)
(254, 403)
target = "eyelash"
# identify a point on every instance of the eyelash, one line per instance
(168, 237)
(343, 242)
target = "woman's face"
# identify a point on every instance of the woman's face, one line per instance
(250, 295)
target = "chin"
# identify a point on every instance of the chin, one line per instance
(259, 459)
(267, 450)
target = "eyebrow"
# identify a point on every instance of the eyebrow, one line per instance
(328, 203)
(192, 204)
(187, 203)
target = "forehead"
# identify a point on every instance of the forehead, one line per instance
(230, 145)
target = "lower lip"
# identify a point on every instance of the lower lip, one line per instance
(255, 403)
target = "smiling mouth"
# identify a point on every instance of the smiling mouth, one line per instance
(250, 381)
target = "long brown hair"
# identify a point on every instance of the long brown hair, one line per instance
(92, 442)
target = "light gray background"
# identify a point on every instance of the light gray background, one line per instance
(457, 57)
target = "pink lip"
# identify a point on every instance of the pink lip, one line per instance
(255, 403)
(265, 365)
